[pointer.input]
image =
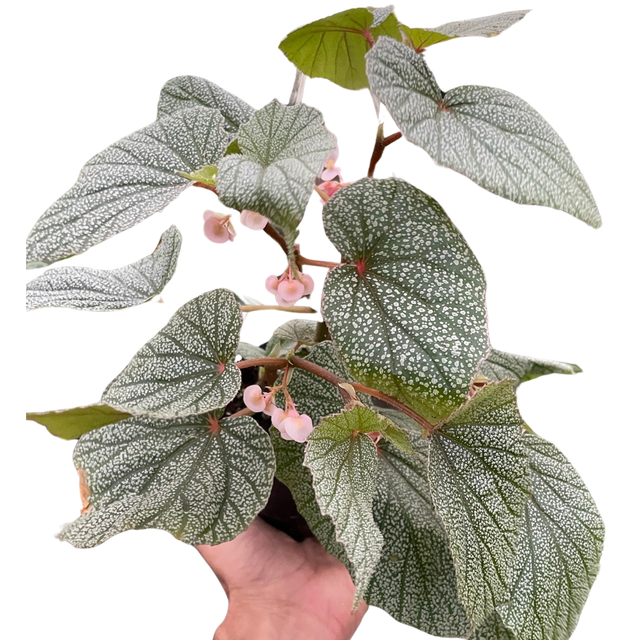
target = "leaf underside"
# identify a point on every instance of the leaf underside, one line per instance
(501, 365)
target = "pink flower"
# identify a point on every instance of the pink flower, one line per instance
(298, 427)
(254, 398)
(330, 187)
(218, 227)
(279, 417)
(331, 171)
(289, 289)
(253, 220)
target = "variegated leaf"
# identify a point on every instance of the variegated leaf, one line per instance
(489, 135)
(106, 290)
(127, 182)
(501, 365)
(200, 480)
(184, 92)
(478, 475)
(189, 366)
(283, 150)
(406, 310)
(344, 464)
(248, 351)
(291, 333)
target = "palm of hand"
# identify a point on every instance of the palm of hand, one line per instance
(283, 584)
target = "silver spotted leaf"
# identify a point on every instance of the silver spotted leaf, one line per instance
(106, 290)
(290, 334)
(184, 92)
(127, 182)
(186, 368)
(406, 310)
(249, 351)
(492, 629)
(559, 549)
(343, 463)
(501, 365)
(415, 580)
(489, 135)
(478, 475)
(201, 480)
(380, 14)
(485, 26)
(283, 151)
(313, 395)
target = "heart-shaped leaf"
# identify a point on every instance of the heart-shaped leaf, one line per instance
(501, 365)
(201, 480)
(334, 47)
(343, 463)
(127, 182)
(283, 150)
(559, 549)
(70, 424)
(415, 580)
(189, 366)
(478, 474)
(406, 310)
(489, 135)
(105, 290)
(184, 92)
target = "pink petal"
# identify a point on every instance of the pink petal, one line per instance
(253, 398)
(298, 427)
(330, 173)
(216, 232)
(283, 303)
(253, 220)
(271, 283)
(308, 283)
(291, 290)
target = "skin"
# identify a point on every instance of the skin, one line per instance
(280, 588)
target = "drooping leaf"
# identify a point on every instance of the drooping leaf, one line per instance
(70, 424)
(106, 290)
(478, 474)
(415, 580)
(202, 481)
(501, 365)
(186, 368)
(334, 47)
(248, 351)
(406, 310)
(127, 182)
(313, 395)
(489, 135)
(283, 150)
(558, 551)
(184, 92)
(291, 333)
(344, 464)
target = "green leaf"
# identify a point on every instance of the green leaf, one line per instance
(202, 481)
(415, 580)
(70, 424)
(422, 39)
(489, 135)
(127, 182)
(283, 150)
(313, 395)
(344, 463)
(558, 551)
(334, 47)
(106, 290)
(189, 366)
(501, 365)
(478, 474)
(206, 175)
(248, 351)
(406, 310)
(184, 92)
(291, 333)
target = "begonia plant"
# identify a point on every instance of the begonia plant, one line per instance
(392, 422)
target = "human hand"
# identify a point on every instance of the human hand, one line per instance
(280, 588)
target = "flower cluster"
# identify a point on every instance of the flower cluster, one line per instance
(289, 287)
(218, 227)
(291, 424)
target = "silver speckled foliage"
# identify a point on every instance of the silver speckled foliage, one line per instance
(188, 367)
(489, 135)
(416, 469)
(127, 182)
(406, 309)
(105, 290)
(203, 484)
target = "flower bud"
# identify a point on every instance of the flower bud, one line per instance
(291, 290)
(271, 283)
(308, 283)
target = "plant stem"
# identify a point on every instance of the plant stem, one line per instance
(203, 185)
(273, 233)
(332, 378)
(378, 148)
(317, 263)
(274, 307)
(298, 88)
